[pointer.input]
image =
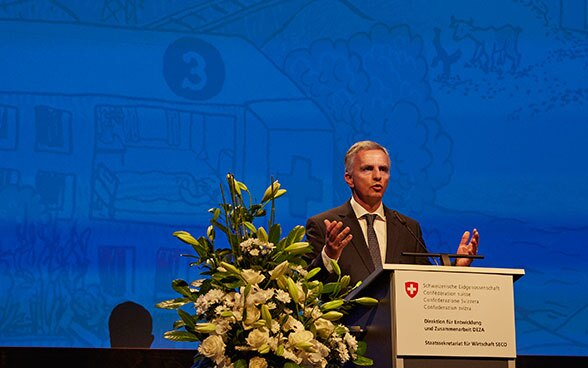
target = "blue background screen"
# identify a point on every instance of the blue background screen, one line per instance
(120, 119)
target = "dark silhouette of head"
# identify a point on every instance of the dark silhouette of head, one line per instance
(130, 326)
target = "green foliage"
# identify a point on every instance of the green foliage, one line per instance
(258, 304)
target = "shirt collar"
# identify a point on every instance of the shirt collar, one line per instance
(360, 211)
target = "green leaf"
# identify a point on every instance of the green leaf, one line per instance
(291, 365)
(330, 287)
(241, 186)
(221, 227)
(182, 287)
(275, 233)
(173, 303)
(181, 336)
(250, 226)
(178, 324)
(279, 193)
(361, 348)
(363, 361)
(247, 290)
(186, 237)
(295, 235)
(241, 363)
(187, 318)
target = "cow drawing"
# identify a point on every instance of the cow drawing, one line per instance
(494, 46)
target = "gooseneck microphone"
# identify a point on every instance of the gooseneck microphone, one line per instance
(418, 239)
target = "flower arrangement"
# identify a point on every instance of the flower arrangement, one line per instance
(258, 305)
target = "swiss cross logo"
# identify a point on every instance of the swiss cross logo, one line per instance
(411, 288)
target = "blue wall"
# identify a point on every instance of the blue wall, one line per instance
(118, 123)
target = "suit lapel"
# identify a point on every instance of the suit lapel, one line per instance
(358, 242)
(393, 248)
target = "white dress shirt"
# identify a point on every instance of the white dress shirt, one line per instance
(379, 227)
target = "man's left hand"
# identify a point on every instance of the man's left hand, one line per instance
(468, 245)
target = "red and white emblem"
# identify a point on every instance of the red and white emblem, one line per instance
(411, 288)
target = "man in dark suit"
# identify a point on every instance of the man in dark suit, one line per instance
(343, 233)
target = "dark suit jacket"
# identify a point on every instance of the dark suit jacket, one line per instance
(355, 260)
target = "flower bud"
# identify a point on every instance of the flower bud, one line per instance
(345, 281)
(292, 289)
(332, 315)
(266, 315)
(210, 232)
(280, 270)
(264, 349)
(333, 304)
(336, 267)
(230, 268)
(205, 327)
(282, 283)
(312, 273)
(271, 191)
(297, 248)
(367, 301)
(262, 234)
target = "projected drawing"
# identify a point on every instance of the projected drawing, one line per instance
(193, 69)
(53, 130)
(205, 15)
(150, 195)
(494, 47)
(301, 174)
(121, 11)
(57, 192)
(357, 83)
(117, 269)
(8, 127)
(119, 119)
(443, 57)
(127, 188)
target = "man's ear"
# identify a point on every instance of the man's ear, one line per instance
(349, 180)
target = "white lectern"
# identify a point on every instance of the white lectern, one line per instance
(439, 316)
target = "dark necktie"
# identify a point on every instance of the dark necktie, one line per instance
(373, 245)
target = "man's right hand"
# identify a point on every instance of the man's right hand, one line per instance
(336, 238)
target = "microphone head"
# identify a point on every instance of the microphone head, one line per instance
(397, 215)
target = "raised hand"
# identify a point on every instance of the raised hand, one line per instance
(468, 245)
(336, 238)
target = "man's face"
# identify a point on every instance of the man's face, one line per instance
(369, 177)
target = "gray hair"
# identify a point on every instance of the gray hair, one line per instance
(361, 146)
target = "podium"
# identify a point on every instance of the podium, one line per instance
(438, 316)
